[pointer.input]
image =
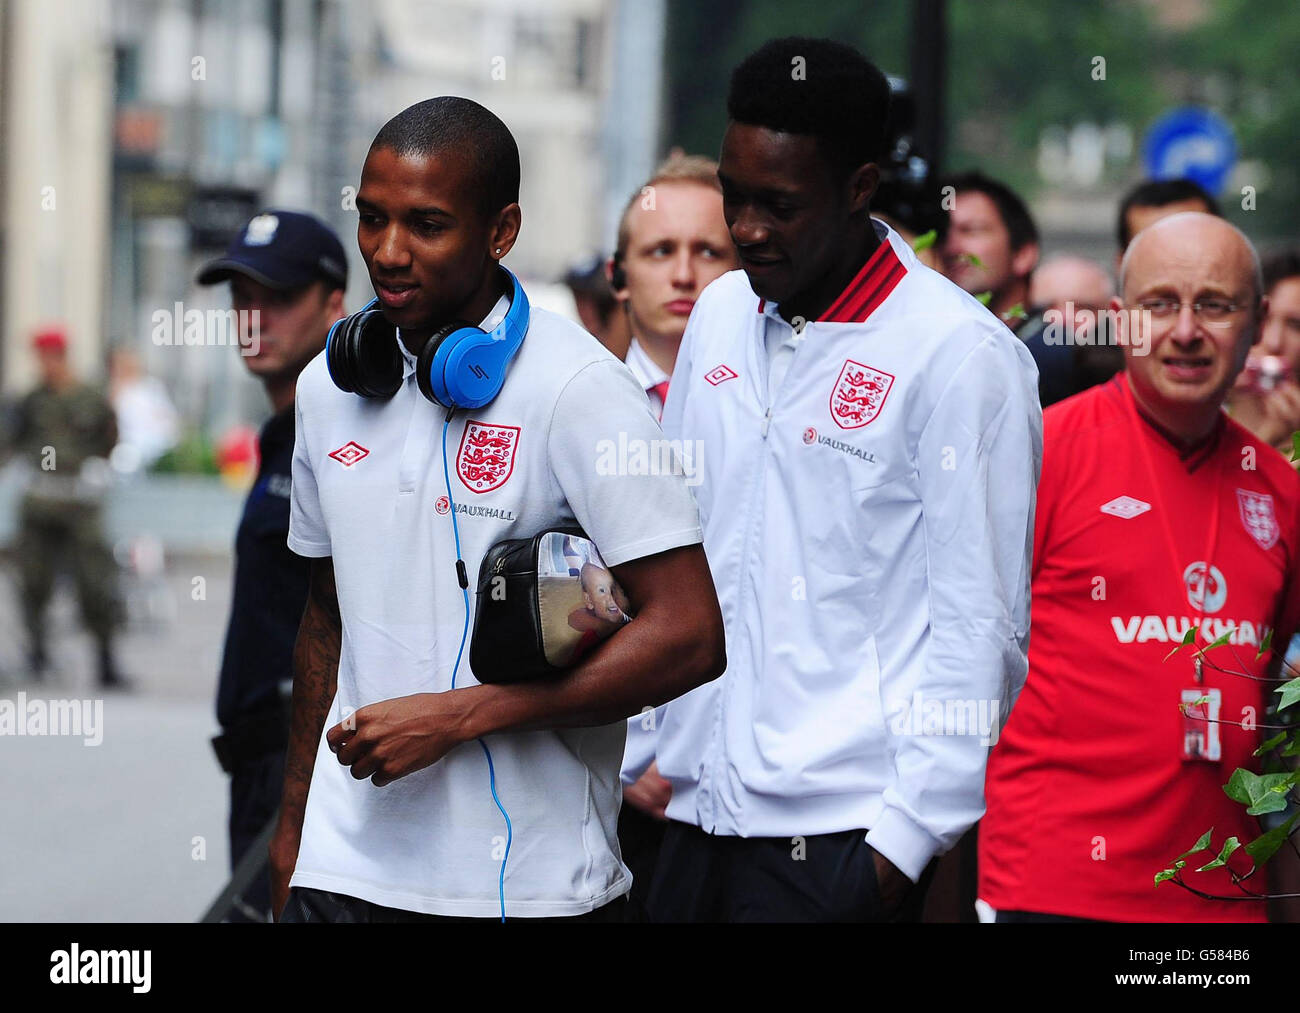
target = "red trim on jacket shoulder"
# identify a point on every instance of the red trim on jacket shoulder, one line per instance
(871, 286)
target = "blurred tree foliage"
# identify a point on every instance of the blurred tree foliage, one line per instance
(1247, 55)
(193, 455)
(1017, 67)
(707, 38)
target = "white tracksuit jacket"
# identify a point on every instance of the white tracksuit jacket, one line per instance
(869, 531)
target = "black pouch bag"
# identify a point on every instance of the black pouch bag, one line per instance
(543, 603)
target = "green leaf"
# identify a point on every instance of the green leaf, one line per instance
(1290, 693)
(1018, 310)
(1188, 638)
(1295, 446)
(1268, 744)
(1268, 804)
(973, 260)
(1229, 846)
(1202, 844)
(1265, 846)
(1268, 642)
(1293, 749)
(985, 297)
(925, 240)
(1265, 793)
(1187, 705)
(1170, 873)
(1221, 641)
(1235, 789)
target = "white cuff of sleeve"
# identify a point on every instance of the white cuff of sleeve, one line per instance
(639, 749)
(904, 843)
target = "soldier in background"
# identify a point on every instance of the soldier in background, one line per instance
(63, 433)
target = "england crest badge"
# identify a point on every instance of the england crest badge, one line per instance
(859, 394)
(487, 455)
(1258, 517)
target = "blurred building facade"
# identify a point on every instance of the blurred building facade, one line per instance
(162, 125)
(56, 90)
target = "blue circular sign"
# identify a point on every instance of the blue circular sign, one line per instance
(1190, 143)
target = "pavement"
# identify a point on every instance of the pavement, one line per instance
(132, 828)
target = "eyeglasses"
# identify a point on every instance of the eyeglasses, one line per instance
(1211, 312)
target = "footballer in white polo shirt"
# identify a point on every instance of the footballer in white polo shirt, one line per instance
(869, 527)
(411, 777)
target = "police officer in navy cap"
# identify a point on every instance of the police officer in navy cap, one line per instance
(287, 272)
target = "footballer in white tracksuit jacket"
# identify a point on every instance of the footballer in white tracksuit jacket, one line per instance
(869, 527)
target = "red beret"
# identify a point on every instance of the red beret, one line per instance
(51, 338)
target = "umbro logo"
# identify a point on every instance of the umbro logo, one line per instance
(1126, 507)
(349, 454)
(720, 374)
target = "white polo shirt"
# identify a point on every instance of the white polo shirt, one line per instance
(368, 490)
(868, 501)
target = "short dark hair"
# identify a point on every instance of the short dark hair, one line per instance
(1156, 193)
(838, 97)
(452, 123)
(1011, 209)
(1280, 266)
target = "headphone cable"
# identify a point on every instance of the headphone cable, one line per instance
(463, 579)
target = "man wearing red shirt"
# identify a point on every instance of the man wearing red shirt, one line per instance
(1156, 513)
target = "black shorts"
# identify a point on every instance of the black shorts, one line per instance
(308, 905)
(818, 878)
(639, 838)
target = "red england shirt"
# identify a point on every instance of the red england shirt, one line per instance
(1088, 792)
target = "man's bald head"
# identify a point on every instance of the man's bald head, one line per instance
(1194, 235)
(1182, 361)
(1070, 279)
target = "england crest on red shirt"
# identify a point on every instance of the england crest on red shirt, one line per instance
(487, 455)
(1258, 518)
(859, 394)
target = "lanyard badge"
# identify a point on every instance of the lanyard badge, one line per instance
(1200, 724)
(1198, 706)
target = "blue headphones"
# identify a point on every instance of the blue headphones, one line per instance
(460, 366)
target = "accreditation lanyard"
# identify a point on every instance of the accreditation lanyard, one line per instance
(1142, 432)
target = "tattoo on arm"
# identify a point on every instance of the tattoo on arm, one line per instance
(315, 679)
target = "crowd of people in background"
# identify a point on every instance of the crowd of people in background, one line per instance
(990, 246)
(1096, 777)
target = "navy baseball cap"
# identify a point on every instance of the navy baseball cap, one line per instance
(283, 250)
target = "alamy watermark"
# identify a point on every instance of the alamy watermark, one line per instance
(651, 457)
(195, 327)
(84, 718)
(1083, 325)
(75, 966)
(950, 716)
